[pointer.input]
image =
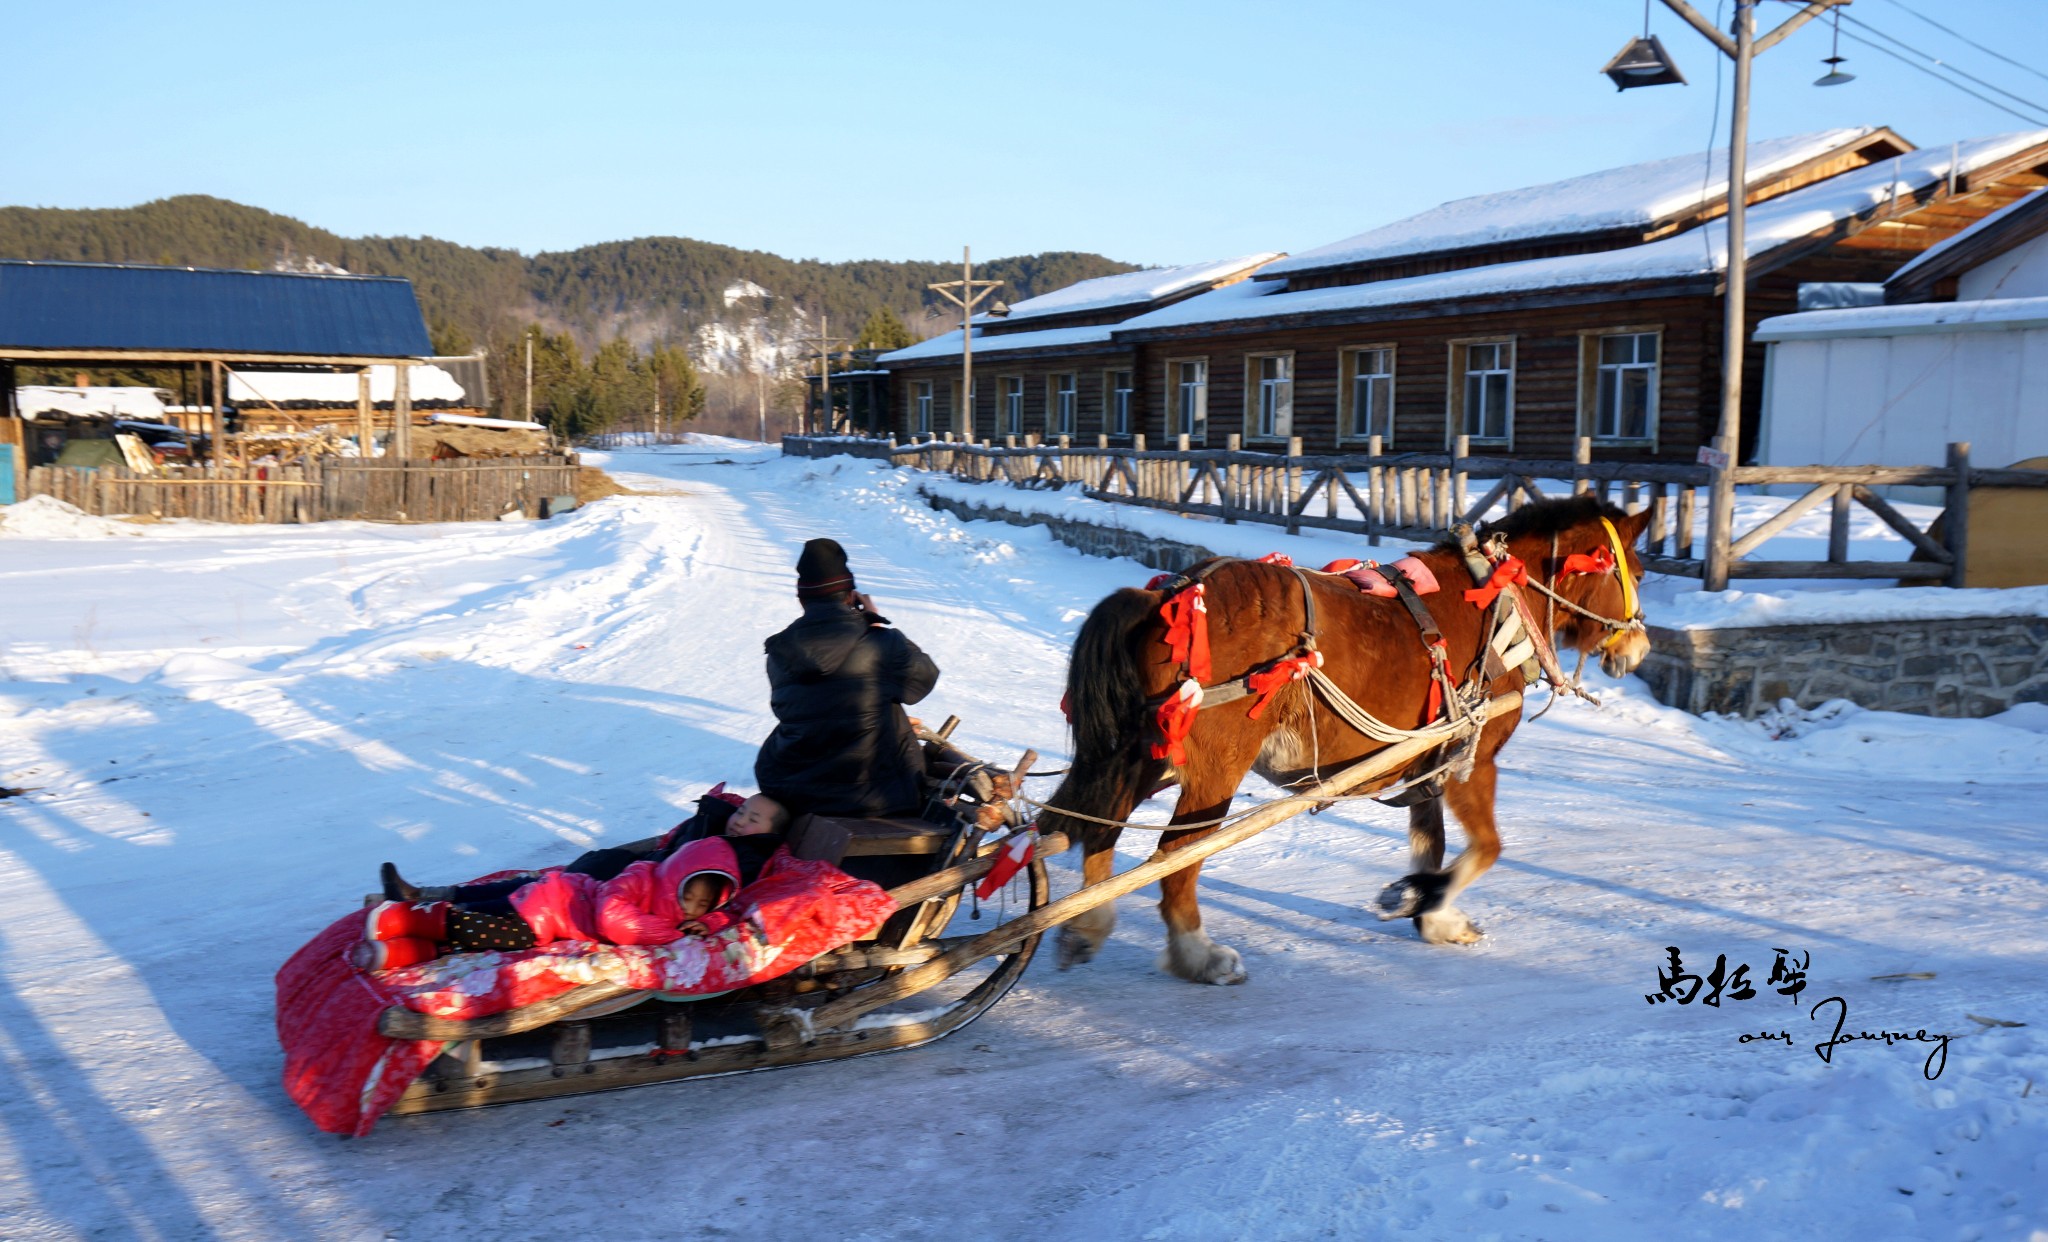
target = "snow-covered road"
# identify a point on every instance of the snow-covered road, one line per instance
(222, 732)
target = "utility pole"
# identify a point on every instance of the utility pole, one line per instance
(529, 376)
(761, 397)
(966, 293)
(824, 356)
(1742, 48)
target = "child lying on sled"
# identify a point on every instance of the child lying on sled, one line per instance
(650, 902)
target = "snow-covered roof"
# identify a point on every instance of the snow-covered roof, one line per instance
(1633, 196)
(1694, 253)
(1132, 288)
(947, 344)
(471, 420)
(1984, 315)
(1985, 225)
(98, 401)
(253, 388)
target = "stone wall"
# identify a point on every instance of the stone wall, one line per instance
(1973, 666)
(1168, 555)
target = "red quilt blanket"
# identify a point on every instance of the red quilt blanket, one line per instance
(344, 1075)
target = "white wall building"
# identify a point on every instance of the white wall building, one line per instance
(1895, 385)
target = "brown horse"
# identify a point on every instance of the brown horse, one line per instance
(1122, 668)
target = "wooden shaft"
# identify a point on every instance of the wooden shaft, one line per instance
(917, 978)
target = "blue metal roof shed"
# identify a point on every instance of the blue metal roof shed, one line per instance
(77, 311)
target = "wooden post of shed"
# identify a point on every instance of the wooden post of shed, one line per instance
(218, 381)
(401, 411)
(366, 429)
(1956, 523)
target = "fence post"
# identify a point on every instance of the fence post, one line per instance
(1293, 484)
(1375, 491)
(1720, 522)
(1582, 456)
(1232, 481)
(1956, 528)
(1838, 524)
(1461, 448)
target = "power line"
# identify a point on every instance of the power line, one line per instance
(1946, 65)
(1972, 42)
(1913, 64)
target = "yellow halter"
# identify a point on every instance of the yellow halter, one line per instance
(1628, 582)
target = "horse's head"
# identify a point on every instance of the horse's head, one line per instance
(1583, 550)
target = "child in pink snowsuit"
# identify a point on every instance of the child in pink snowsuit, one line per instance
(649, 903)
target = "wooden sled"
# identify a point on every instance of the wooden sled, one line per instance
(900, 988)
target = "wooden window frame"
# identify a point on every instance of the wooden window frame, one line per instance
(1589, 386)
(923, 407)
(1172, 429)
(1055, 424)
(1254, 390)
(1347, 391)
(1005, 425)
(1110, 389)
(1454, 395)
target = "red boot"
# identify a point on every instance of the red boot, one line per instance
(392, 954)
(399, 920)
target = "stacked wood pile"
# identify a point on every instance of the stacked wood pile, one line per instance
(318, 490)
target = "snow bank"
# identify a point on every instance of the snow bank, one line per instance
(1686, 607)
(44, 517)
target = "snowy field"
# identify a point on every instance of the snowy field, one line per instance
(220, 732)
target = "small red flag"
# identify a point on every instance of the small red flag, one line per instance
(1016, 854)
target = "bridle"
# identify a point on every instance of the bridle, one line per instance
(1612, 560)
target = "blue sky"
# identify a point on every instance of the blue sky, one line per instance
(1156, 133)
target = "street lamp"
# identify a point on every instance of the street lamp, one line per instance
(1742, 48)
(966, 293)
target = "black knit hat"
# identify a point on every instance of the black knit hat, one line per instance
(821, 571)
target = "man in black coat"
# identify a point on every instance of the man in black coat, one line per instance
(839, 677)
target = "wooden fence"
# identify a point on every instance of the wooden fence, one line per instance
(325, 489)
(1418, 496)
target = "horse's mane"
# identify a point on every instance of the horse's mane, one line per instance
(1548, 517)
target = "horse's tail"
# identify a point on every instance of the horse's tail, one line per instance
(1106, 695)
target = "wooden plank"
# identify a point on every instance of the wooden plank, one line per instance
(1897, 521)
(1778, 521)
(1829, 569)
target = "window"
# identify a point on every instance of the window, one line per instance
(1484, 388)
(1625, 386)
(1063, 398)
(1120, 388)
(1370, 397)
(1013, 405)
(921, 408)
(1270, 391)
(1190, 381)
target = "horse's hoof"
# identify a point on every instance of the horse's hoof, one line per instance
(1400, 900)
(1448, 927)
(1198, 959)
(1074, 948)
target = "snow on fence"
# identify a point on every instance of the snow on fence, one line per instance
(1418, 496)
(324, 489)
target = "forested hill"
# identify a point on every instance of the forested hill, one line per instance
(645, 289)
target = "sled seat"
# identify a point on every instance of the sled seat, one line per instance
(830, 838)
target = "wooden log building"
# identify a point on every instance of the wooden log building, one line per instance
(1586, 307)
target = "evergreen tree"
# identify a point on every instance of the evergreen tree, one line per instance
(884, 330)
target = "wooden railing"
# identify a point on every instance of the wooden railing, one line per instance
(324, 489)
(1418, 496)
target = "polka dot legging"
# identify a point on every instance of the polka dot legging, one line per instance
(470, 928)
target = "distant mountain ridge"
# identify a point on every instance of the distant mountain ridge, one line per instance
(647, 289)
